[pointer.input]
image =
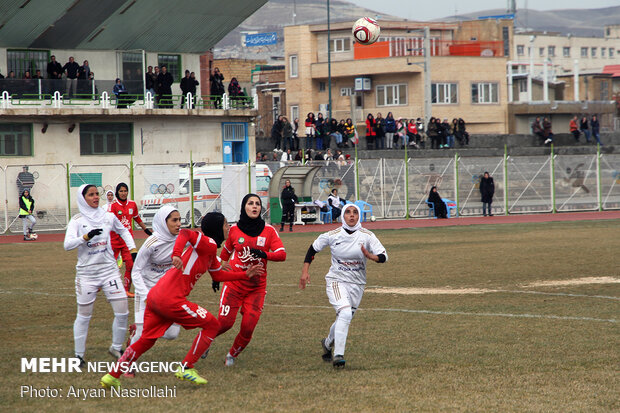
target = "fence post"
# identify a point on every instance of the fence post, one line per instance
(456, 181)
(382, 177)
(553, 210)
(357, 175)
(598, 177)
(249, 176)
(191, 188)
(505, 179)
(68, 193)
(406, 183)
(6, 201)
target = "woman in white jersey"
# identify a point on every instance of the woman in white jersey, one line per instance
(351, 246)
(89, 232)
(154, 259)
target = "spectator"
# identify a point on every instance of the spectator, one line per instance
(349, 132)
(185, 87)
(217, 87)
(287, 134)
(26, 211)
(37, 74)
(299, 156)
(29, 88)
(320, 131)
(156, 73)
(318, 156)
(441, 133)
(463, 131)
(121, 94)
(25, 180)
(275, 156)
(371, 131)
(583, 127)
(83, 77)
(310, 130)
(547, 132)
(400, 137)
(487, 189)
(71, 69)
(54, 72)
(537, 129)
(390, 130)
(336, 203)
(295, 145)
(287, 156)
(193, 86)
(334, 133)
(596, 129)
(259, 156)
(412, 133)
(149, 83)
(454, 133)
(288, 199)
(438, 205)
(449, 137)
(11, 75)
(421, 136)
(431, 131)
(574, 129)
(235, 94)
(164, 86)
(328, 155)
(380, 132)
(276, 132)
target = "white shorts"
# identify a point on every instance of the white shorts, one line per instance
(343, 294)
(86, 288)
(139, 307)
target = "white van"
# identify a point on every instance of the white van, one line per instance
(207, 192)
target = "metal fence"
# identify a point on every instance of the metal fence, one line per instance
(394, 187)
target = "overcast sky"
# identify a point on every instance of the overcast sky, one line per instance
(428, 10)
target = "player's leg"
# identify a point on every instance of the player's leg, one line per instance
(172, 332)
(86, 293)
(252, 308)
(115, 293)
(230, 301)
(339, 299)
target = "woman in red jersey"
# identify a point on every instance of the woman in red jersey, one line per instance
(250, 242)
(167, 301)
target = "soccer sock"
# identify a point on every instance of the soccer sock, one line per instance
(172, 332)
(331, 335)
(80, 332)
(138, 333)
(119, 329)
(342, 329)
(131, 354)
(202, 342)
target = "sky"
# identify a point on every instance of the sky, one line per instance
(428, 10)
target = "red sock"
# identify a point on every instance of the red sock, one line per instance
(201, 343)
(132, 353)
(239, 344)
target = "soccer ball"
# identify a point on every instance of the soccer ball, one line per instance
(373, 218)
(366, 30)
(33, 236)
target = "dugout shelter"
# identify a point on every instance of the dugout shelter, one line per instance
(301, 178)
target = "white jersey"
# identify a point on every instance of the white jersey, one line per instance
(152, 262)
(95, 256)
(348, 260)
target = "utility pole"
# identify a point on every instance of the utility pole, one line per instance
(329, 65)
(428, 106)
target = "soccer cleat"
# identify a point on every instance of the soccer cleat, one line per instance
(130, 375)
(130, 294)
(338, 361)
(132, 332)
(82, 362)
(108, 381)
(327, 351)
(230, 360)
(190, 375)
(115, 353)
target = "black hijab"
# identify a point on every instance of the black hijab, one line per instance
(249, 226)
(434, 196)
(213, 227)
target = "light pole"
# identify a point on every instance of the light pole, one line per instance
(329, 66)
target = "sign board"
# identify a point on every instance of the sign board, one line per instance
(362, 84)
(261, 39)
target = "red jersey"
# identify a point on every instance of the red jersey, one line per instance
(237, 250)
(198, 258)
(125, 212)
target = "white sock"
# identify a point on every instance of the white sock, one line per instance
(172, 332)
(137, 334)
(341, 330)
(80, 332)
(119, 329)
(331, 335)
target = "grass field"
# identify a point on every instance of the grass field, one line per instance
(456, 320)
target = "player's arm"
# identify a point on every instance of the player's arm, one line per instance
(72, 238)
(375, 247)
(305, 269)
(219, 275)
(185, 236)
(227, 249)
(139, 264)
(136, 217)
(125, 235)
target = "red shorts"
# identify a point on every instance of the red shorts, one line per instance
(158, 316)
(250, 302)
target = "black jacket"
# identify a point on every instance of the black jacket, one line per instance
(288, 196)
(164, 83)
(487, 189)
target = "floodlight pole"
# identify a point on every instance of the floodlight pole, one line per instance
(428, 106)
(329, 66)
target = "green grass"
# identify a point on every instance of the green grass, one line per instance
(506, 350)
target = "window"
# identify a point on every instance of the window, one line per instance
(322, 87)
(611, 52)
(294, 113)
(520, 50)
(172, 63)
(214, 185)
(185, 185)
(340, 45)
(235, 132)
(551, 51)
(603, 50)
(15, 139)
(262, 183)
(541, 51)
(292, 60)
(484, 93)
(444, 93)
(391, 95)
(593, 51)
(584, 52)
(346, 91)
(106, 138)
(566, 51)
(91, 178)
(605, 90)
(19, 61)
(522, 85)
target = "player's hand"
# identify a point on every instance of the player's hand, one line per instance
(258, 253)
(148, 232)
(226, 266)
(216, 286)
(94, 232)
(177, 263)
(304, 280)
(369, 255)
(254, 270)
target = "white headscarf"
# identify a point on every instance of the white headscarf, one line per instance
(160, 228)
(108, 203)
(93, 215)
(359, 221)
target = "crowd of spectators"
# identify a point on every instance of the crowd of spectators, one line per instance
(320, 134)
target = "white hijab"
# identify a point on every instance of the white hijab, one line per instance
(93, 215)
(359, 221)
(160, 228)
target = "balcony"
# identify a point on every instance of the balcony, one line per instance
(414, 46)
